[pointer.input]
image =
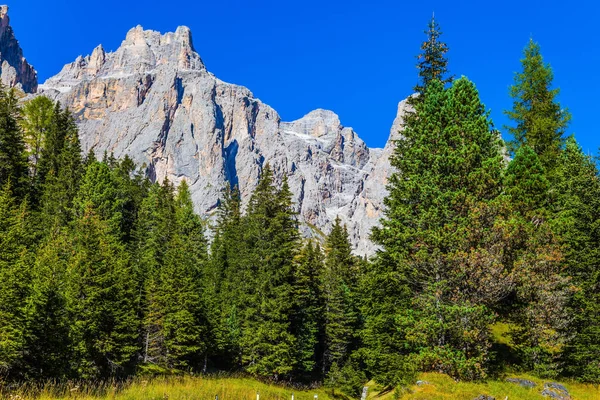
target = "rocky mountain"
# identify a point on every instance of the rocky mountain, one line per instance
(154, 100)
(14, 69)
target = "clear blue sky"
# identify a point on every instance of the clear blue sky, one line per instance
(353, 57)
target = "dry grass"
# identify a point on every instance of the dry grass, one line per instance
(171, 388)
(440, 387)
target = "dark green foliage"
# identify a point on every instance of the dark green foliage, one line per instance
(272, 241)
(577, 222)
(309, 305)
(59, 170)
(539, 314)
(100, 298)
(36, 122)
(433, 64)
(540, 121)
(47, 346)
(15, 262)
(225, 283)
(13, 158)
(340, 292)
(436, 213)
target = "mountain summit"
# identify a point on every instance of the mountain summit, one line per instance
(14, 69)
(154, 100)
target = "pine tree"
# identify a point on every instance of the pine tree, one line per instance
(13, 157)
(226, 282)
(539, 314)
(36, 123)
(540, 121)
(47, 347)
(308, 321)
(432, 64)
(101, 300)
(155, 229)
(268, 344)
(60, 169)
(179, 293)
(340, 280)
(576, 220)
(449, 176)
(15, 259)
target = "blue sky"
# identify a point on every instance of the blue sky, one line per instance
(354, 57)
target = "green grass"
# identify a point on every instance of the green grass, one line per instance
(440, 387)
(175, 388)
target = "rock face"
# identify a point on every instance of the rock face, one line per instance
(14, 69)
(154, 100)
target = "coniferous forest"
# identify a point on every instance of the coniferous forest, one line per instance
(106, 275)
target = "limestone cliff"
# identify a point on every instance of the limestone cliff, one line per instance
(14, 69)
(154, 100)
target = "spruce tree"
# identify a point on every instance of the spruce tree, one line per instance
(226, 282)
(272, 237)
(13, 157)
(60, 170)
(15, 259)
(101, 300)
(447, 181)
(48, 348)
(432, 62)
(576, 220)
(340, 280)
(155, 229)
(539, 314)
(36, 122)
(179, 300)
(539, 120)
(308, 320)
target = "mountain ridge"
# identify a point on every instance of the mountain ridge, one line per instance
(154, 100)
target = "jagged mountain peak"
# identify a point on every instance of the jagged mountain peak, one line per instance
(14, 69)
(154, 100)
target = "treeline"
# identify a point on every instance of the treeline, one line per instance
(104, 274)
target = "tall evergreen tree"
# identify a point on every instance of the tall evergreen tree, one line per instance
(340, 281)
(539, 120)
(101, 300)
(226, 286)
(539, 312)
(15, 259)
(60, 169)
(47, 347)
(449, 176)
(576, 220)
(178, 298)
(13, 157)
(308, 321)
(432, 62)
(154, 231)
(268, 344)
(36, 123)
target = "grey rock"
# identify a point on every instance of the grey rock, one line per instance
(14, 69)
(421, 383)
(154, 100)
(484, 397)
(555, 391)
(522, 382)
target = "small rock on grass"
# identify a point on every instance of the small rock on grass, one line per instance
(523, 382)
(555, 391)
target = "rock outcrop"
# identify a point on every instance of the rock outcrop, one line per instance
(14, 69)
(154, 100)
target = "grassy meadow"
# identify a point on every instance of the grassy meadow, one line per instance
(439, 387)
